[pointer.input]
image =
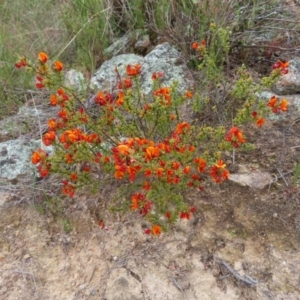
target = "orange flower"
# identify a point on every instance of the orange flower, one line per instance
(58, 66)
(184, 215)
(39, 82)
(201, 164)
(43, 57)
(123, 149)
(37, 156)
(49, 137)
(188, 94)
(277, 107)
(156, 229)
(69, 190)
(218, 171)
(135, 203)
(146, 186)
(120, 100)
(148, 172)
(152, 152)
(164, 92)
(119, 174)
(260, 122)
(133, 70)
(52, 124)
(187, 170)
(175, 165)
(235, 136)
(272, 101)
(69, 158)
(283, 105)
(74, 176)
(181, 127)
(157, 75)
(127, 83)
(195, 45)
(192, 148)
(159, 172)
(21, 63)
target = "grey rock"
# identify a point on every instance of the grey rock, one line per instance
(75, 80)
(293, 106)
(105, 77)
(15, 158)
(289, 83)
(163, 58)
(255, 179)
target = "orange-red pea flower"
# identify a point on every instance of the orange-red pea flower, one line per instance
(283, 105)
(218, 171)
(175, 165)
(127, 83)
(120, 100)
(201, 164)
(146, 186)
(133, 70)
(58, 66)
(86, 169)
(192, 209)
(181, 127)
(123, 149)
(74, 176)
(43, 57)
(37, 156)
(192, 148)
(188, 94)
(43, 172)
(152, 152)
(156, 230)
(275, 106)
(235, 137)
(68, 158)
(21, 63)
(69, 190)
(52, 124)
(39, 82)
(187, 170)
(157, 75)
(195, 45)
(184, 215)
(260, 122)
(160, 172)
(168, 215)
(53, 100)
(49, 138)
(148, 172)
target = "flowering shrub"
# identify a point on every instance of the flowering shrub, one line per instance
(140, 141)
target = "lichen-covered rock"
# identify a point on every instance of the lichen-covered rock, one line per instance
(255, 179)
(15, 158)
(289, 83)
(163, 58)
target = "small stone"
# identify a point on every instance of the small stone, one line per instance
(26, 256)
(275, 215)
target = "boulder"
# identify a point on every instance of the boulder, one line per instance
(15, 158)
(289, 84)
(163, 58)
(253, 179)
